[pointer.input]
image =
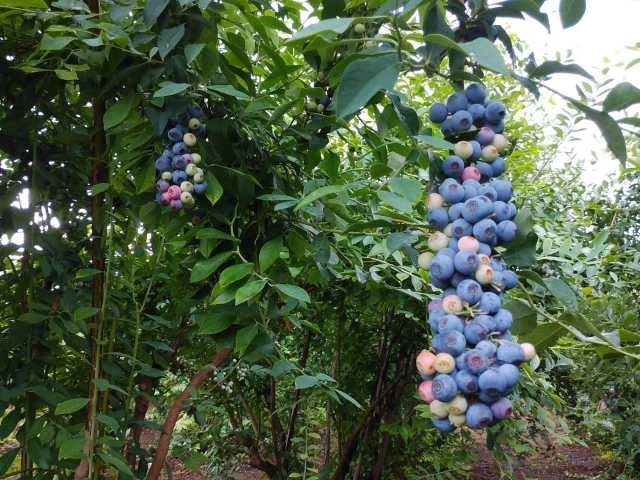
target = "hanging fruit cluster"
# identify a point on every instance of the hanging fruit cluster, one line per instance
(180, 175)
(473, 365)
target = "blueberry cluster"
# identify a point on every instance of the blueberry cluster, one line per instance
(180, 175)
(474, 365)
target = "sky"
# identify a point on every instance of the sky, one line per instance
(607, 27)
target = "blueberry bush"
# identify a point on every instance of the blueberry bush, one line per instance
(213, 219)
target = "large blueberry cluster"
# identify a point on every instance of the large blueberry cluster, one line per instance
(474, 363)
(180, 175)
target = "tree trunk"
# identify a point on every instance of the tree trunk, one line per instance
(174, 412)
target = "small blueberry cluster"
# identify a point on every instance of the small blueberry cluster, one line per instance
(180, 175)
(474, 365)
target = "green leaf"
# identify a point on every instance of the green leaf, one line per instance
(321, 248)
(229, 90)
(99, 188)
(192, 51)
(204, 268)
(435, 142)
(214, 189)
(170, 88)
(282, 367)
(119, 463)
(336, 25)
(552, 66)
(213, 234)
(108, 421)
(118, 112)
(522, 251)
(443, 41)
(49, 43)
(38, 4)
(349, 398)
(319, 193)
(212, 323)
(84, 312)
(524, 317)
(409, 188)
(244, 336)
(9, 423)
(362, 79)
(66, 75)
(486, 54)
(396, 201)
(153, 9)
(293, 291)
(562, 292)
(609, 129)
(269, 253)
(32, 318)
(71, 448)
(621, 96)
(544, 336)
(571, 11)
(6, 460)
(397, 240)
(70, 406)
(406, 115)
(168, 39)
(234, 273)
(86, 272)
(306, 381)
(249, 290)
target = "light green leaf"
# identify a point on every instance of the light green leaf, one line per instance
(336, 25)
(486, 54)
(192, 51)
(66, 75)
(349, 398)
(234, 273)
(306, 381)
(293, 291)
(397, 240)
(50, 43)
(362, 79)
(249, 290)
(108, 421)
(571, 11)
(37, 4)
(229, 90)
(213, 234)
(396, 201)
(86, 272)
(621, 96)
(84, 312)
(168, 89)
(168, 39)
(119, 463)
(212, 323)
(409, 188)
(269, 253)
(281, 367)
(562, 292)
(204, 268)
(99, 188)
(319, 193)
(244, 336)
(118, 111)
(435, 142)
(71, 406)
(214, 189)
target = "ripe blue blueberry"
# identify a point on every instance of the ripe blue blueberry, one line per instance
(441, 267)
(179, 148)
(442, 284)
(453, 343)
(485, 136)
(510, 352)
(477, 150)
(498, 166)
(465, 263)
(475, 93)
(502, 211)
(469, 291)
(491, 382)
(484, 249)
(486, 321)
(195, 111)
(453, 245)
(452, 191)
(503, 189)
(477, 208)
(485, 230)
(512, 210)
(444, 387)
(163, 163)
(487, 347)
(502, 408)
(485, 170)
(462, 120)
(509, 279)
(447, 127)
(475, 361)
(496, 127)
(457, 101)
(453, 166)
(455, 211)
(503, 320)
(438, 112)
(489, 302)
(162, 186)
(200, 187)
(507, 231)
(449, 323)
(475, 332)
(457, 278)
(438, 217)
(467, 382)
(442, 424)
(495, 112)
(511, 374)
(449, 291)
(489, 192)
(178, 176)
(448, 252)
(505, 336)
(175, 135)
(477, 113)
(479, 416)
(470, 189)
(460, 228)
(178, 162)
(487, 399)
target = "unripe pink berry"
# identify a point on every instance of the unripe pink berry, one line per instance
(463, 150)
(489, 153)
(468, 244)
(484, 274)
(425, 393)
(437, 241)
(175, 204)
(424, 260)
(444, 363)
(452, 304)
(434, 200)
(471, 173)
(174, 192)
(529, 351)
(165, 198)
(187, 158)
(424, 362)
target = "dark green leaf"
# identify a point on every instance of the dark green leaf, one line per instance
(9, 423)
(153, 9)
(485, 53)
(562, 292)
(349, 398)
(319, 193)
(524, 317)
(213, 234)
(269, 253)
(407, 116)
(71, 448)
(306, 381)
(168, 89)
(249, 290)
(408, 188)
(362, 79)
(71, 406)
(192, 51)
(214, 189)
(244, 336)
(234, 273)
(168, 39)
(32, 318)
(281, 367)
(571, 11)
(293, 291)
(544, 336)
(552, 66)
(397, 240)
(117, 112)
(116, 461)
(204, 268)
(99, 188)
(336, 25)
(435, 142)
(6, 460)
(621, 96)
(321, 248)
(212, 323)
(609, 129)
(38, 4)
(82, 313)
(54, 43)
